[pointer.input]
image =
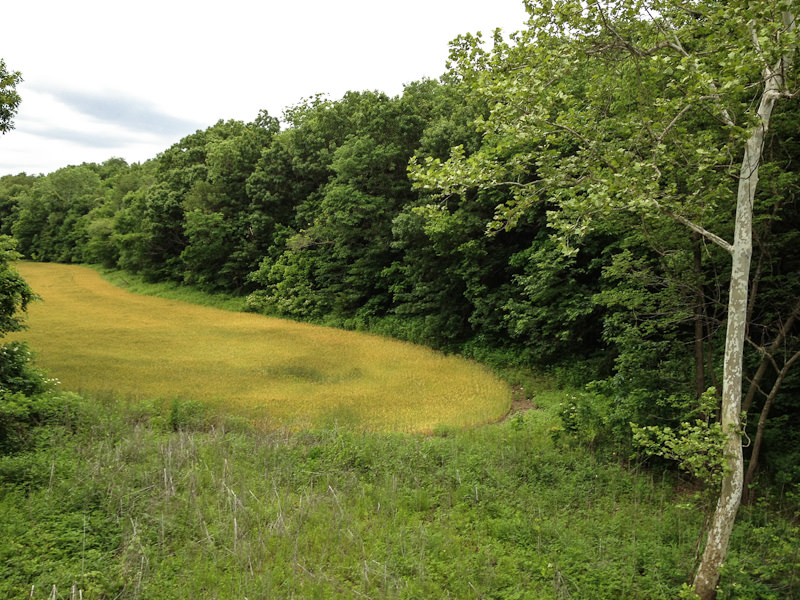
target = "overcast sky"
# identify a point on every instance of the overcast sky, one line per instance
(129, 79)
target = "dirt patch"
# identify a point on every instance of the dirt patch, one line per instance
(520, 403)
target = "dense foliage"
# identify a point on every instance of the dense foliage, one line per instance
(9, 98)
(560, 199)
(139, 500)
(319, 221)
(24, 404)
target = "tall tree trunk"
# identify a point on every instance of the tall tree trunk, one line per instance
(719, 533)
(755, 383)
(762, 422)
(710, 370)
(699, 309)
(767, 358)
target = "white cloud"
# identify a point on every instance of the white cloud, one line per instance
(93, 67)
(106, 109)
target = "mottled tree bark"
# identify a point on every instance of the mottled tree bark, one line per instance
(719, 533)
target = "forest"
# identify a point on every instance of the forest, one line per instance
(573, 201)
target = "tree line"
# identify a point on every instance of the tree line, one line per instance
(562, 199)
(320, 221)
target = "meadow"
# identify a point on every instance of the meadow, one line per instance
(115, 499)
(98, 338)
(124, 496)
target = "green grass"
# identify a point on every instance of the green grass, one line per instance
(128, 501)
(96, 337)
(135, 284)
(137, 498)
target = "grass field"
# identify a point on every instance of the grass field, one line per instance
(97, 338)
(111, 498)
(107, 503)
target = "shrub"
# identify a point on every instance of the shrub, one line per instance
(21, 416)
(17, 373)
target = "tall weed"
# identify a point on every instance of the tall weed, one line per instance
(124, 507)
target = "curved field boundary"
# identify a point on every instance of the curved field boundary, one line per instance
(95, 337)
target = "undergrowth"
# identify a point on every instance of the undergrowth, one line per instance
(131, 499)
(136, 284)
(137, 500)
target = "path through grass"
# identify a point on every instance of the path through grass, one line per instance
(95, 337)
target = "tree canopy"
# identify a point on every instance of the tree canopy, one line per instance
(9, 98)
(643, 108)
(16, 294)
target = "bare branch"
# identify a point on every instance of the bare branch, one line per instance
(724, 244)
(673, 122)
(570, 130)
(795, 357)
(676, 45)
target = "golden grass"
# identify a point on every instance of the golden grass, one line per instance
(95, 337)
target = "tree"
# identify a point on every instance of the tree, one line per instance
(773, 329)
(16, 294)
(9, 98)
(199, 194)
(653, 108)
(51, 222)
(12, 188)
(342, 169)
(118, 179)
(17, 374)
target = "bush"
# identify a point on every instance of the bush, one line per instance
(21, 416)
(17, 373)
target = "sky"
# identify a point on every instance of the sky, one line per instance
(107, 79)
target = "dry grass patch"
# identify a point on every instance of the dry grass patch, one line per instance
(95, 337)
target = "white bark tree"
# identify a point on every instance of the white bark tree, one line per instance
(621, 105)
(774, 88)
